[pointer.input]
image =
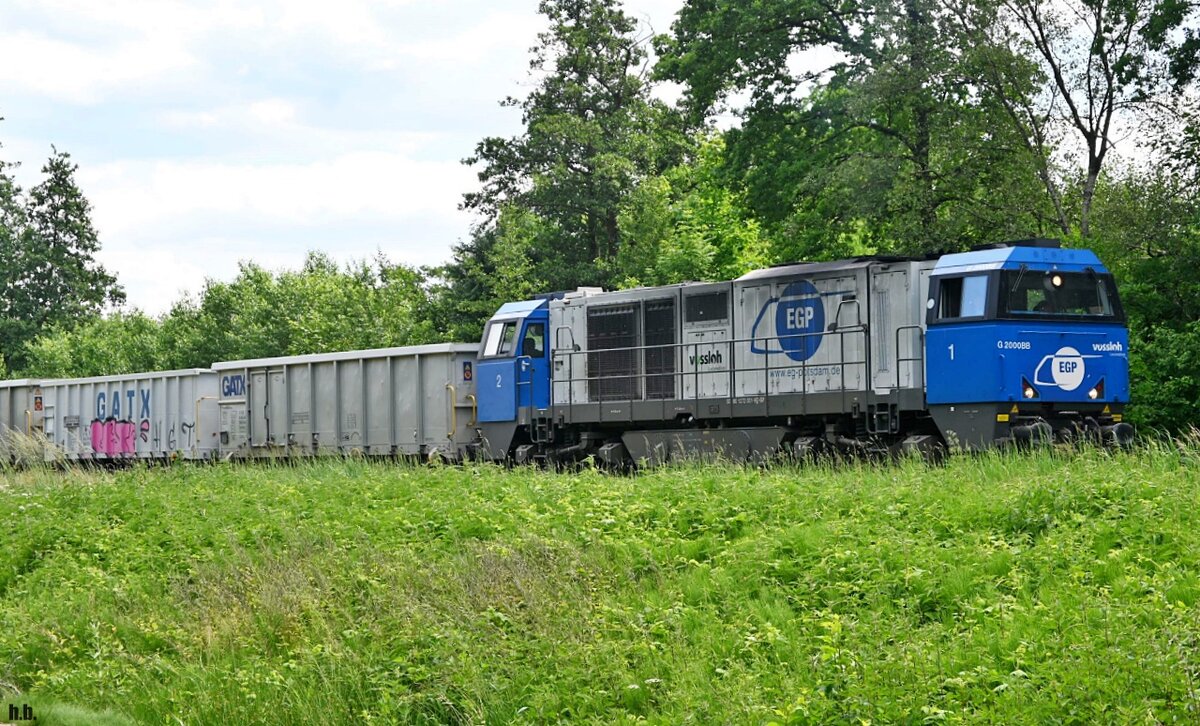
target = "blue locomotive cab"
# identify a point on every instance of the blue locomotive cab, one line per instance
(513, 375)
(514, 361)
(1026, 342)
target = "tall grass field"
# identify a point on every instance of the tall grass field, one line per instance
(1050, 588)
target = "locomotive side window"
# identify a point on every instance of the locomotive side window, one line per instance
(707, 306)
(500, 339)
(534, 342)
(963, 297)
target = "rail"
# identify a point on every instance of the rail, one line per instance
(919, 357)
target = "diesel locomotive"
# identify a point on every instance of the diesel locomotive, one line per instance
(1016, 343)
(1013, 344)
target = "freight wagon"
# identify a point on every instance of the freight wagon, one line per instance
(146, 416)
(410, 401)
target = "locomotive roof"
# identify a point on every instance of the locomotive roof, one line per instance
(809, 268)
(1012, 258)
(521, 308)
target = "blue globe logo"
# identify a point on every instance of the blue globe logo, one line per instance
(800, 320)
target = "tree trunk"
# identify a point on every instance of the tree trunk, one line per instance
(1089, 193)
(612, 234)
(918, 41)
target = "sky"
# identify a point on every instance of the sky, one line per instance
(212, 131)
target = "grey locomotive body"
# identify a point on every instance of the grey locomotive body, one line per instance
(780, 358)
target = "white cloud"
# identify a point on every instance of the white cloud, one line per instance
(78, 74)
(273, 112)
(498, 31)
(83, 51)
(138, 200)
(166, 225)
(209, 131)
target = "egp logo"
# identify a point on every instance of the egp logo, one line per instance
(1067, 369)
(799, 323)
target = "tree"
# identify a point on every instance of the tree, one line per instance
(1104, 62)
(48, 271)
(892, 146)
(367, 304)
(319, 308)
(1146, 227)
(689, 224)
(508, 259)
(592, 132)
(118, 343)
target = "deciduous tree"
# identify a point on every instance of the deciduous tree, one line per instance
(892, 145)
(591, 133)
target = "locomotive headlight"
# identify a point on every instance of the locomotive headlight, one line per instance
(1056, 280)
(1093, 394)
(1027, 389)
(1097, 390)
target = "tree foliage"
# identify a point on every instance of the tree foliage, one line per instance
(891, 147)
(118, 343)
(1147, 229)
(688, 224)
(592, 134)
(48, 272)
(319, 308)
(1102, 64)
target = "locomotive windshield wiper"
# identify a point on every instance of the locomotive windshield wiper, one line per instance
(1020, 274)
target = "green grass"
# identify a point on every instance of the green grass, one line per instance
(1049, 588)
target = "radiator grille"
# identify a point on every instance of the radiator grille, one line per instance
(660, 361)
(612, 374)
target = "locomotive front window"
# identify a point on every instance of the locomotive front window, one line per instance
(1038, 293)
(500, 339)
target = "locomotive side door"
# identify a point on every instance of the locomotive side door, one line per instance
(570, 364)
(497, 372)
(533, 363)
(756, 330)
(890, 312)
(258, 408)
